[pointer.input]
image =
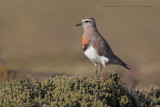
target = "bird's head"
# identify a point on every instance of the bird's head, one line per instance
(87, 22)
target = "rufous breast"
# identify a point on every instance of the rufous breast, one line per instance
(84, 40)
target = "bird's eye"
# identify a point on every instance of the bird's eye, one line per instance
(87, 21)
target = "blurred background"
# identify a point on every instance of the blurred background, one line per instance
(38, 38)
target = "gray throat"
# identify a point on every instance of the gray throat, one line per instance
(90, 31)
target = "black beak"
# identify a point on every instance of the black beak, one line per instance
(79, 24)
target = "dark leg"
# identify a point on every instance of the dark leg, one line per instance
(96, 68)
(101, 67)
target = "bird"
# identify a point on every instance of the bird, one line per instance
(96, 48)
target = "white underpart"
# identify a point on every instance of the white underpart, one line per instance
(92, 54)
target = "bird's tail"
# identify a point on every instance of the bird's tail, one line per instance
(120, 62)
(126, 66)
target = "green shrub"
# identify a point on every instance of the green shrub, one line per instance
(74, 92)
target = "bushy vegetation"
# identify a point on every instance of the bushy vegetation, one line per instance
(65, 91)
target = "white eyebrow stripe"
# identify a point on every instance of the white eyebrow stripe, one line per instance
(87, 20)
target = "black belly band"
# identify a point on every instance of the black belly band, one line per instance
(84, 47)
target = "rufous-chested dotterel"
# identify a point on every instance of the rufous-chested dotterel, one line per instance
(96, 48)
